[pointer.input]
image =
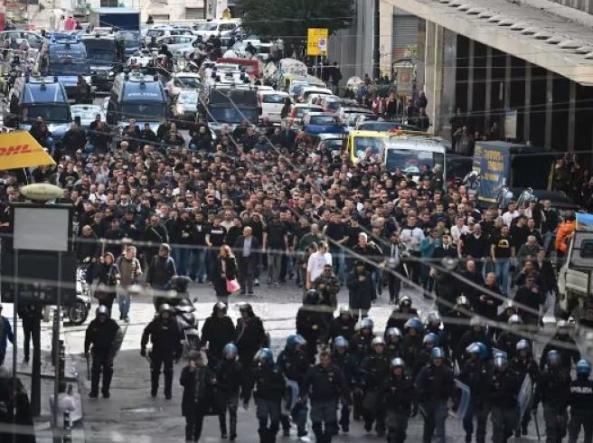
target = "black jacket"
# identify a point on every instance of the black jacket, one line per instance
(373, 370)
(217, 332)
(581, 397)
(398, 394)
(324, 384)
(293, 364)
(553, 388)
(361, 293)
(269, 383)
(164, 336)
(230, 377)
(340, 327)
(160, 271)
(251, 335)
(435, 383)
(503, 388)
(198, 390)
(103, 336)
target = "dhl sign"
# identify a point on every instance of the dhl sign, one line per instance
(21, 150)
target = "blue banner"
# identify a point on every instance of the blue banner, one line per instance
(493, 165)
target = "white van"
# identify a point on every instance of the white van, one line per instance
(271, 103)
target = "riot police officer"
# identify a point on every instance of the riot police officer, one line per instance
(507, 340)
(269, 390)
(503, 388)
(344, 360)
(435, 326)
(398, 400)
(477, 332)
(553, 391)
(105, 337)
(412, 341)
(581, 404)
(429, 342)
(360, 346)
(393, 343)
(218, 330)
(293, 362)
(324, 385)
(230, 383)
(374, 368)
(524, 364)
(343, 324)
(434, 386)
(474, 373)
(569, 353)
(402, 313)
(312, 322)
(166, 347)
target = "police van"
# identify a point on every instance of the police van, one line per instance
(139, 97)
(65, 57)
(34, 97)
(106, 56)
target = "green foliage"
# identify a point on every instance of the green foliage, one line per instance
(289, 19)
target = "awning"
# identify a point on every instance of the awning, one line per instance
(21, 150)
(532, 34)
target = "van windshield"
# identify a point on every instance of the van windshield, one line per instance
(49, 113)
(144, 111)
(68, 68)
(369, 145)
(413, 161)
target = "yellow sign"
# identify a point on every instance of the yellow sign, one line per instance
(21, 150)
(317, 41)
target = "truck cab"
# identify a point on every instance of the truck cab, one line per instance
(65, 57)
(106, 55)
(45, 97)
(139, 97)
(575, 279)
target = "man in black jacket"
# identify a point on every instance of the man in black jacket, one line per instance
(324, 385)
(503, 388)
(247, 249)
(218, 330)
(166, 347)
(160, 272)
(105, 336)
(398, 400)
(581, 404)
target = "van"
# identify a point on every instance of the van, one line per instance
(359, 143)
(139, 97)
(271, 104)
(416, 155)
(45, 97)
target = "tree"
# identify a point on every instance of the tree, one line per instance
(289, 19)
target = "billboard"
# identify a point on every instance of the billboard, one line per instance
(493, 164)
(317, 41)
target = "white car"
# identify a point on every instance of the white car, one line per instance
(165, 31)
(307, 91)
(87, 113)
(298, 112)
(215, 27)
(179, 45)
(183, 81)
(271, 103)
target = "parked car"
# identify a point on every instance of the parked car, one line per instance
(87, 113)
(271, 104)
(185, 107)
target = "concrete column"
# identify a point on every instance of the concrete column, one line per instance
(430, 70)
(488, 89)
(385, 37)
(507, 82)
(470, 76)
(571, 115)
(448, 85)
(438, 78)
(527, 113)
(549, 113)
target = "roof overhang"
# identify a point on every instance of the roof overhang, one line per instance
(507, 34)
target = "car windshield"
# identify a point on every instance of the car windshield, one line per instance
(373, 145)
(206, 27)
(154, 32)
(130, 39)
(323, 120)
(68, 67)
(144, 111)
(49, 113)
(379, 126)
(274, 98)
(232, 115)
(187, 82)
(102, 54)
(188, 98)
(413, 161)
(300, 112)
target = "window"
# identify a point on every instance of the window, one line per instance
(586, 250)
(226, 27)
(108, 3)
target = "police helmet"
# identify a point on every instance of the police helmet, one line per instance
(165, 307)
(344, 309)
(367, 323)
(523, 345)
(553, 357)
(462, 300)
(391, 333)
(312, 297)
(264, 355)
(405, 301)
(397, 363)
(437, 353)
(295, 340)
(433, 318)
(377, 341)
(583, 367)
(562, 326)
(500, 360)
(475, 321)
(220, 306)
(430, 339)
(509, 304)
(479, 349)
(515, 320)
(102, 310)
(340, 342)
(230, 351)
(245, 307)
(414, 323)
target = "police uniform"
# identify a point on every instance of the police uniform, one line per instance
(581, 409)
(269, 390)
(105, 337)
(166, 347)
(294, 364)
(397, 399)
(347, 364)
(553, 390)
(324, 385)
(503, 388)
(434, 386)
(374, 369)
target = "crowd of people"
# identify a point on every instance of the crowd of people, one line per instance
(257, 206)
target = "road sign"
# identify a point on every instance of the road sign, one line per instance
(317, 41)
(21, 150)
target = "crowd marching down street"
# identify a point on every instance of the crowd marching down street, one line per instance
(241, 205)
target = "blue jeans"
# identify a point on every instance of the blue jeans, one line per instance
(124, 301)
(199, 264)
(182, 258)
(501, 269)
(339, 260)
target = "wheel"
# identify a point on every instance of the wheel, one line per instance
(78, 312)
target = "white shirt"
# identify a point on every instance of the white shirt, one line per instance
(316, 262)
(508, 217)
(412, 237)
(457, 232)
